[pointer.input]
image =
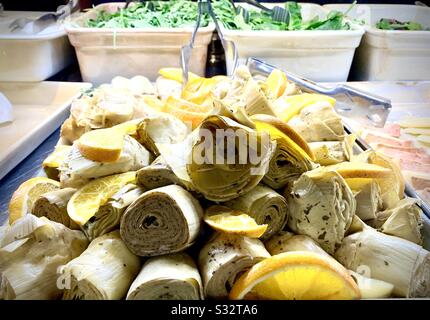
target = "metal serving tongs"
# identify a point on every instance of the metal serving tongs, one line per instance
(187, 49)
(350, 102)
(228, 45)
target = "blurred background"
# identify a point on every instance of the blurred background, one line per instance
(51, 5)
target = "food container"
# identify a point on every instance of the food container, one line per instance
(105, 53)
(25, 56)
(388, 54)
(316, 55)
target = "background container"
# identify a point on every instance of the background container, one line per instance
(316, 55)
(31, 57)
(105, 53)
(388, 54)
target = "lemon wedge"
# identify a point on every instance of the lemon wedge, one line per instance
(25, 196)
(288, 107)
(88, 199)
(360, 170)
(176, 74)
(280, 130)
(226, 220)
(105, 145)
(276, 83)
(298, 275)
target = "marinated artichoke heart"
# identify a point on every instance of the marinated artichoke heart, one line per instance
(243, 92)
(224, 258)
(76, 170)
(108, 217)
(404, 221)
(159, 174)
(286, 242)
(286, 165)
(318, 122)
(104, 271)
(392, 188)
(266, 206)
(332, 152)
(369, 201)
(169, 277)
(161, 221)
(53, 205)
(402, 263)
(321, 206)
(31, 250)
(160, 128)
(223, 167)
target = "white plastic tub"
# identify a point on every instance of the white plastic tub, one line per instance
(387, 54)
(105, 53)
(316, 55)
(25, 56)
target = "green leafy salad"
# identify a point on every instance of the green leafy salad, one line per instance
(241, 19)
(157, 14)
(393, 24)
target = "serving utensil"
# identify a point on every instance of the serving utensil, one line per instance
(186, 50)
(350, 102)
(228, 45)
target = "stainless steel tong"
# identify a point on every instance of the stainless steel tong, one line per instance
(350, 102)
(187, 50)
(228, 45)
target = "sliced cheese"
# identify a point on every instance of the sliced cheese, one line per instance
(415, 122)
(417, 131)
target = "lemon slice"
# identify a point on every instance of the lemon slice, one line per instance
(25, 196)
(298, 275)
(87, 200)
(226, 220)
(187, 111)
(360, 170)
(276, 83)
(176, 74)
(281, 130)
(57, 157)
(105, 145)
(198, 90)
(288, 107)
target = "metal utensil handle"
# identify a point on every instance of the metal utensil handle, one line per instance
(257, 4)
(311, 85)
(227, 44)
(197, 26)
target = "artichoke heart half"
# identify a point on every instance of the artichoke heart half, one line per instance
(292, 155)
(321, 206)
(402, 263)
(77, 170)
(31, 251)
(169, 277)
(104, 271)
(224, 258)
(108, 217)
(228, 159)
(318, 122)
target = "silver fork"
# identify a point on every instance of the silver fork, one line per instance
(187, 49)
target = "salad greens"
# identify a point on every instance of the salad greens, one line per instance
(261, 20)
(164, 14)
(392, 24)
